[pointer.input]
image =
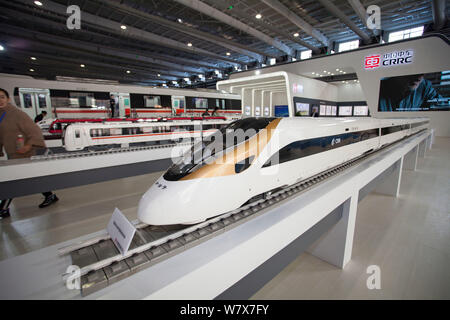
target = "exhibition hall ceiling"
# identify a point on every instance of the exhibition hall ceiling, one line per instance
(185, 41)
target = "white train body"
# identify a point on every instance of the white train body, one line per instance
(79, 136)
(81, 99)
(305, 147)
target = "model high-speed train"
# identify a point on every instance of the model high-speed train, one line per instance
(276, 152)
(78, 136)
(82, 98)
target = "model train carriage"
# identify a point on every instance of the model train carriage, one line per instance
(84, 135)
(280, 152)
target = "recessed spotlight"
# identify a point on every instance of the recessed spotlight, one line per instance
(123, 27)
(159, 75)
(2, 48)
(128, 71)
(189, 44)
(82, 65)
(337, 69)
(33, 58)
(38, 3)
(179, 20)
(228, 53)
(296, 34)
(344, 72)
(32, 70)
(258, 16)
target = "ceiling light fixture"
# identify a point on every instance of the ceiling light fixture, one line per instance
(32, 70)
(2, 48)
(296, 34)
(82, 65)
(123, 27)
(128, 71)
(38, 3)
(33, 58)
(228, 53)
(258, 16)
(189, 44)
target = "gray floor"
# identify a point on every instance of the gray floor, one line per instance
(407, 237)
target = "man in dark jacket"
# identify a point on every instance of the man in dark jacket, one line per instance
(20, 137)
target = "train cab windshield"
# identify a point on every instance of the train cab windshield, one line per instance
(227, 137)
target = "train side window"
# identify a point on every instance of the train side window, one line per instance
(27, 100)
(243, 165)
(77, 134)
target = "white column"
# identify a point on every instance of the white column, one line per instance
(391, 184)
(336, 245)
(422, 148)
(410, 159)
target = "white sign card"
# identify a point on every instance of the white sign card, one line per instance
(121, 231)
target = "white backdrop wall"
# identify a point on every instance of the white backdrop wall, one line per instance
(431, 54)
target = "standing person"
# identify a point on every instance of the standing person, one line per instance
(112, 105)
(40, 116)
(206, 113)
(21, 137)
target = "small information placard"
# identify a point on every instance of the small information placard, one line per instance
(121, 231)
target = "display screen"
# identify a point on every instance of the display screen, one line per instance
(417, 92)
(345, 111)
(302, 109)
(360, 110)
(281, 111)
(323, 110)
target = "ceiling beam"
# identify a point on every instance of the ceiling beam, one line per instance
(181, 27)
(58, 44)
(439, 16)
(216, 14)
(132, 32)
(341, 15)
(299, 22)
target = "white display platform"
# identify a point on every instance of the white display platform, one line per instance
(222, 266)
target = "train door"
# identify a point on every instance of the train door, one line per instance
(124, 103)
(34, 101)
(178, 104)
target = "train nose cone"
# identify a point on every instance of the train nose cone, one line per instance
(153, 208)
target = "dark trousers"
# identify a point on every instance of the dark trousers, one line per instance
(4, 204)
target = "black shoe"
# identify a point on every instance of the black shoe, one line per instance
(48, 201)
(4, 213)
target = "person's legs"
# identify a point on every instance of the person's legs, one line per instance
(50, 198)
(4, 208)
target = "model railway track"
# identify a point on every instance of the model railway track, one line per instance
(101, 264)
(82, 154)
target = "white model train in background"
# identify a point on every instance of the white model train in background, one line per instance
(281, 152)
(78, 136)
(76, 99)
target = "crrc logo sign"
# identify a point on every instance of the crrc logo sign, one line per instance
(388, 59)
